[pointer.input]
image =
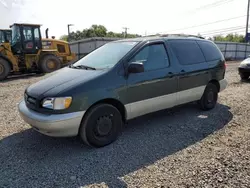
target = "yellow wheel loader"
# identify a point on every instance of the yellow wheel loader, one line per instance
(28, 52)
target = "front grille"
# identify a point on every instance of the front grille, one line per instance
(31, 102)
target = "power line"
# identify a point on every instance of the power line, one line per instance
(225, 32)
(209, 6)
(223, 29)
(206, 23)
(215, 4)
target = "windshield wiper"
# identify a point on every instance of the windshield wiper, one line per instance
(82, 67)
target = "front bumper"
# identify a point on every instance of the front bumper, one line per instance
(58, 125)
(223, 84)
(243, 70)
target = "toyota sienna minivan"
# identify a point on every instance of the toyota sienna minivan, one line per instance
(122, 80)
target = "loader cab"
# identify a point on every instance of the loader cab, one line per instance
(26, 38)
(5, 36)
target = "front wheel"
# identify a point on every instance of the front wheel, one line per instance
(101, 126)
(49, 63)
(209, 97)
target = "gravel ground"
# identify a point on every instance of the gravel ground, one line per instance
(181, 147)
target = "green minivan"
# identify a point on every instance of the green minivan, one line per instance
(122, 80)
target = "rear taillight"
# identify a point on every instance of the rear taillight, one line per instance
(225, 65)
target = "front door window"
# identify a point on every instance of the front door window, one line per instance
(153, 57)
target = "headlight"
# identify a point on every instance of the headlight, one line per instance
(246, 62)
(59, 103)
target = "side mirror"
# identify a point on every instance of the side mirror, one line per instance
(136, 67)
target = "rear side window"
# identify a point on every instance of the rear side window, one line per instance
(211, 52)
(187, 52)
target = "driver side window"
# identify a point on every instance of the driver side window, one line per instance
(153, 57)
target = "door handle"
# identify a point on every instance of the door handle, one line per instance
(170, 75)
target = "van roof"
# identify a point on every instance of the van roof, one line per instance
(165, 36)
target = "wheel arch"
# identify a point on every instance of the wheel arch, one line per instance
(216, 83)
(114, 102)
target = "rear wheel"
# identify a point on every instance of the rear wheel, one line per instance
(244, 76)
(101, 125)
(209, 97)
(49, 63)
(4, 69)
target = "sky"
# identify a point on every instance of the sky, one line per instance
(140, 16)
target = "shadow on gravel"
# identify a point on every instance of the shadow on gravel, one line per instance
(21, 76)
(29, 159)
(241, 82)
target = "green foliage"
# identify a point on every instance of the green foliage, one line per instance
(230, 38)
(64, 37)
(95, 31)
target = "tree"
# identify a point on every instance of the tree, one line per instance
(95, 31)
(99, 30)
(230, 38)
(64, 37)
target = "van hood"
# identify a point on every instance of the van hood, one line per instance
(60, 80)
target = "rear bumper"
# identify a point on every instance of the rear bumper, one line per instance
(223, 84)
(58, 125)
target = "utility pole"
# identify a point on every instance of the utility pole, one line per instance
(248, 4)
(125, 31)
(69, 32)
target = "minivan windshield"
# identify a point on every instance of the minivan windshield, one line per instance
(106, 56)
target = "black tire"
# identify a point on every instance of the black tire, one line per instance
(49, 63)
(244, 76)
(101, 126)
(209, 97)
(4, 69)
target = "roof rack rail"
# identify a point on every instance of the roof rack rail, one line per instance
(179, 35)
(183, 35)
(155, 35)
